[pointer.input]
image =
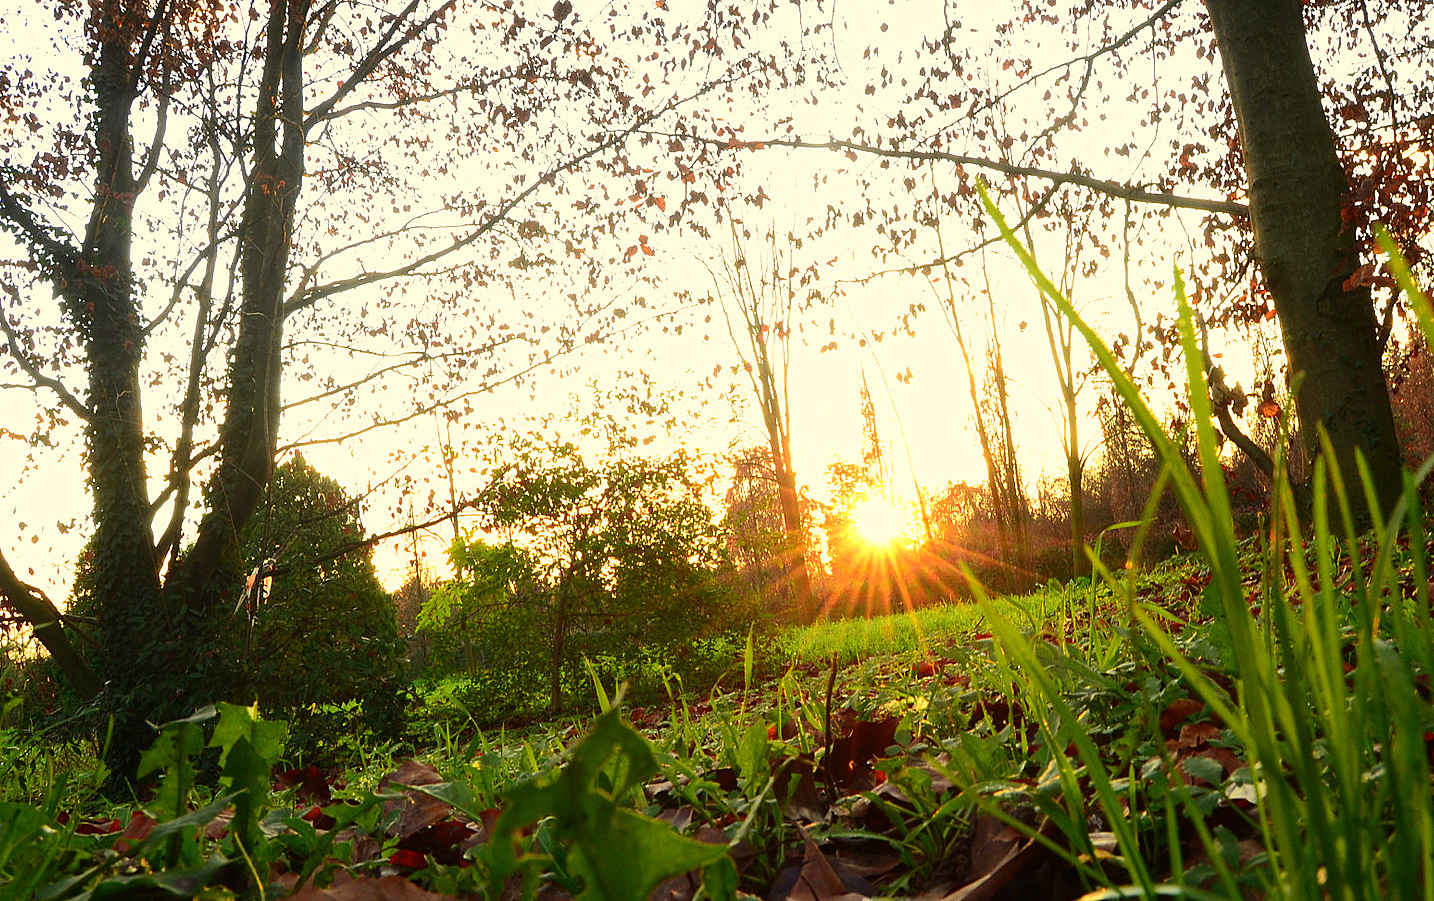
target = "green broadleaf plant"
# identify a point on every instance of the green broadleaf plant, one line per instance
(619, 854)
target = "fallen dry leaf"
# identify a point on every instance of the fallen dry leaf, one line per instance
(818, 880)
(1175, 715)
(411, 773)
(995, 873)
(137, 830)
(350, 888)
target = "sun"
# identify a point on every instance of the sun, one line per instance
(878, 522)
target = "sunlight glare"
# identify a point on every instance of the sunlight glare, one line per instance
(878, 522)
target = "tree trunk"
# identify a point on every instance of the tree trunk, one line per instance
(559, 649)
(995, 484)
(1304, 251)
(250, 431)
(1012, 491)
(101, 303)
(774, 417)
(795, 546)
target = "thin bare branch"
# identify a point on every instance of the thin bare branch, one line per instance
(22, 359)
(463, 87)
(1133, 193)
(1088, 59)
(416, 358)
(386, 47)
(371, 540)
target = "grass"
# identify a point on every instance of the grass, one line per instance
(921, 633)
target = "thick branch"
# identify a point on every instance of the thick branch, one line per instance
(55, 254)
(40, 613)
(360, 544)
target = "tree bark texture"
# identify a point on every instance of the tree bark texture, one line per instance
(1305, 253)
(251, 424)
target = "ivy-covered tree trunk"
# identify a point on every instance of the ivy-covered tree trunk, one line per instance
(1305, 252)
(100, 302)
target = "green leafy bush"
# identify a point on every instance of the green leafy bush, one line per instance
(322, 649)
(619, 567)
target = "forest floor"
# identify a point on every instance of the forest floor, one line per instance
(1101, 742)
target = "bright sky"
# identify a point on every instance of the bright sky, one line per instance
(925, 420)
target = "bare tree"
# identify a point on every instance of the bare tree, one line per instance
(758, 296)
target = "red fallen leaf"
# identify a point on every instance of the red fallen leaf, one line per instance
(1196, 735)
(1000, 712)
(411, 773)
(1225, 757)
(311, 784)
(445, 842)
(137, 830)
(417, 811)
(320, 819)
(411, 860)
(93, 827)
(346, 887)
(1177, 713)
(850, 759)
(725, 777)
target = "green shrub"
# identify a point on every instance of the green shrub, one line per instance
(620, 568)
